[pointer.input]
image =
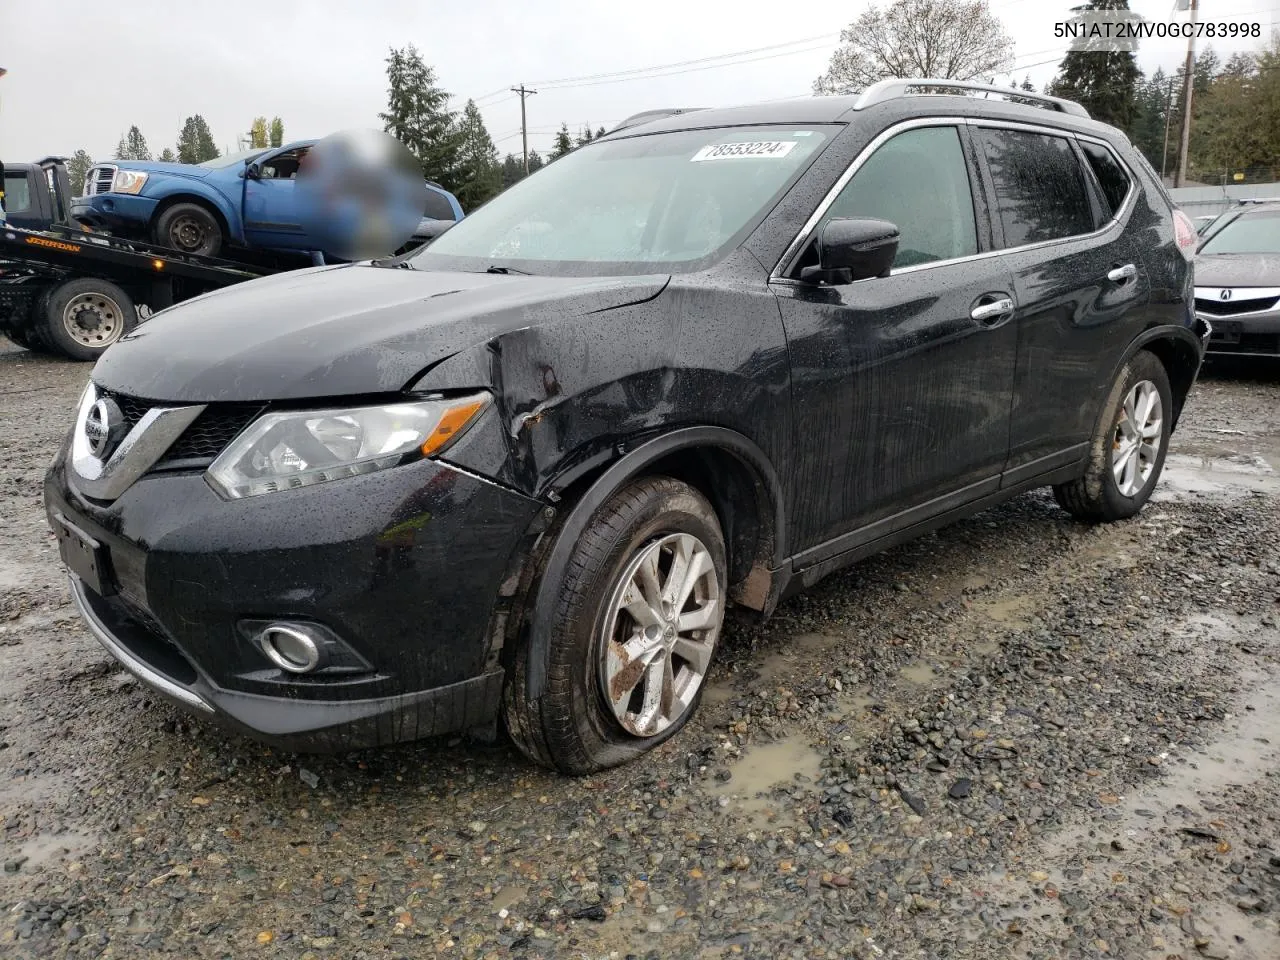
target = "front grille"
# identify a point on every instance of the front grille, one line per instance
(201, 442)
(133, 408)
(1230, 308)
(99, 179)
(209, 434)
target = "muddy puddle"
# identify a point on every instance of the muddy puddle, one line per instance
(760, 771)
(1220, 476)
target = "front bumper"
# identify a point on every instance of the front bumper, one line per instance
(1244, 335)
(114, 211)
(403, 566)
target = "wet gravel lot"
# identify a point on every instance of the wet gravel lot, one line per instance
(1020, 737)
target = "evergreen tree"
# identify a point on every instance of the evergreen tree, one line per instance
(133, 146)
(479, 173)
(584, 137)
(1154, 101)
(1105, 83)
(166, 156)
(277, 132)
(258, 136)
(600, 133)
(512, 170)
(1027, 84)
(77, 168)
(535, 161)
(563, 144)
(195, 142)
(418, 115)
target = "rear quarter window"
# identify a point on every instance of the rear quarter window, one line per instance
(1111, 175)
(438, 207)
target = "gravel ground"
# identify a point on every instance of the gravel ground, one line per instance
(1020, 737)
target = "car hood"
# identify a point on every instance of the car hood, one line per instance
(1238, 270)
(170, 169)
(340, 330)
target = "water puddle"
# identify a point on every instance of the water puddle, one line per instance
(508, 897)
(1013, 612)
(764, 767)
(1189, 474)
(918, 674)
(47, 849)
(797, 650)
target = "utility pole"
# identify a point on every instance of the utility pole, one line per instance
(524, 126)
(1188, 86)
(1168, 115)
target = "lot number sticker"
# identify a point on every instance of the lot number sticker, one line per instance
(752, 149)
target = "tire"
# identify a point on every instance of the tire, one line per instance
(1100, 495)
(575, 726)
(189, 228)
(81, 318)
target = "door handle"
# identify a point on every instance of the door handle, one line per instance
(997, 311)
(1123, 274)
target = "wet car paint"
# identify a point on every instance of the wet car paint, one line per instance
(824, 422)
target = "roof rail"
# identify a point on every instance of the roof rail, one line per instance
(647, 115)
(891, 89)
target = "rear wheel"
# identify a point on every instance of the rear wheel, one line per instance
(84, 317)
(1126, 455)
(189, 228)
(639, 612)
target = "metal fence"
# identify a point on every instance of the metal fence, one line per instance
(1211, 201)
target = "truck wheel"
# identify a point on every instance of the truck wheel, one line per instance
(189, 228)
(84, 317)
(638, 614)
(1127, 452)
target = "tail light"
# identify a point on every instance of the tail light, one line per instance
(1185, 234)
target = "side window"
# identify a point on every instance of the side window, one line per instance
(1041, 193)
(1111, 175)
(437, 206)
(919, 181)
(17, 192)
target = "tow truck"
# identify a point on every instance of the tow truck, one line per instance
(66, 289)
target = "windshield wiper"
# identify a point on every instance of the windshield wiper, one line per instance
(507, 270)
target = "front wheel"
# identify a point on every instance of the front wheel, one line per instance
(1126, 455)
(189, 228)
(639, 612)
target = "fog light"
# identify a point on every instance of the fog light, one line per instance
(291, 647)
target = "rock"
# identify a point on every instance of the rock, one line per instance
(14, 865)
(960, 789)
(309, 778)
(594, 912)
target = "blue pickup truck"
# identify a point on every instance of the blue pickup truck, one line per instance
(243, 199)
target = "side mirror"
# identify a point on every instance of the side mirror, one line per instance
(850, 250)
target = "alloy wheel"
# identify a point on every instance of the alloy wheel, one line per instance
(1135, 447)
(663, 621)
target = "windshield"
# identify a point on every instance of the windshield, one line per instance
(230, 159)
(667, 200)
(1251, 233)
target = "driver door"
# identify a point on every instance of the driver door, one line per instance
(271, 204)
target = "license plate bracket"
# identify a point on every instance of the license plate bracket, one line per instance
(1226, 331)
(84, 556)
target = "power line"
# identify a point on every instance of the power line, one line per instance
(575, 81)
(673, 73)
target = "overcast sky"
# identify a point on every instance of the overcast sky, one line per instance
(81, 75)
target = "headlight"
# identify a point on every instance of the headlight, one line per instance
(128, 181)
(299, 448)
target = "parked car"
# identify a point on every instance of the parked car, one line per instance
(706, 360)
(1238, 281)
(241, 199)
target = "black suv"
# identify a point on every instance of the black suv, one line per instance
(708, 359)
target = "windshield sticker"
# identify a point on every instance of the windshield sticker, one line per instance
(752, 149)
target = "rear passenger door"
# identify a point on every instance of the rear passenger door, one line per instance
(1079, 283)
